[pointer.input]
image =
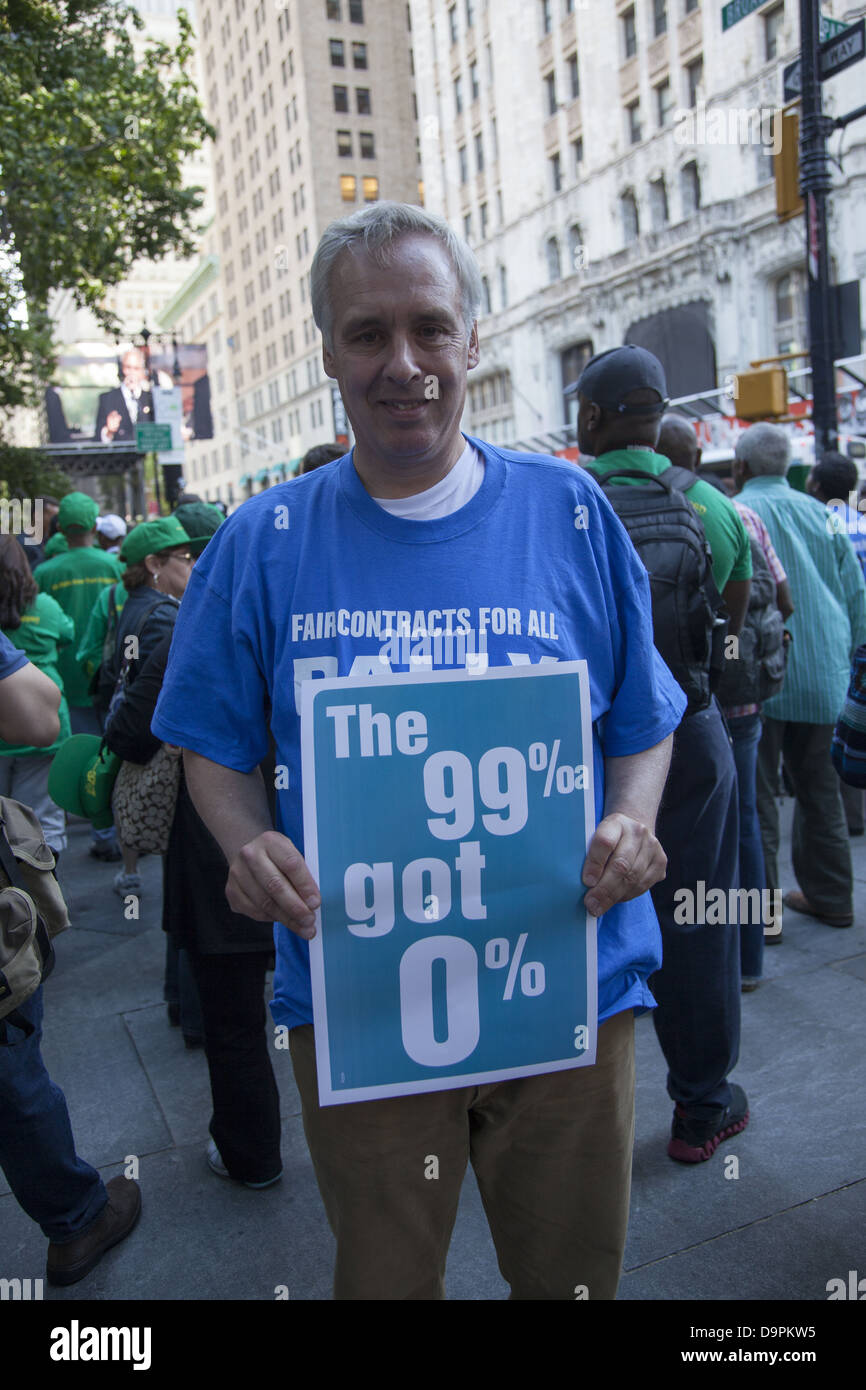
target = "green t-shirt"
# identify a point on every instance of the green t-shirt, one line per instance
(44, 628)
(76, 580)
(726, 534)
(89, 654)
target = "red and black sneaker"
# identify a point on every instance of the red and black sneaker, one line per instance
(694, 1140)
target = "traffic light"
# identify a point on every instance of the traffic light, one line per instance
(786, 165)
(761, 394)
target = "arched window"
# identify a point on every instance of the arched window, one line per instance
(554, 262)
(790, 317)
(630, 219)
(576, 248)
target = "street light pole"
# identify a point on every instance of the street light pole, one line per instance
(815, 185)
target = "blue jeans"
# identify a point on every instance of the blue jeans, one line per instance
(55, 1187)
(746, 735)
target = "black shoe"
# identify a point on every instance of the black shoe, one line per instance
(109, 854)
(694, 1140)
(70, 1262)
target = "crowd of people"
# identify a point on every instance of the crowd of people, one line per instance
(172, 641)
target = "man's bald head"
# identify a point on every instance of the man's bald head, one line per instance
(679, 443)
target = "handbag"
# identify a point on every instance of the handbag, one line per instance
(32, 911)
(144, 801)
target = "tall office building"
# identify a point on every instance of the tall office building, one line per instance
(314, 108)
(610, 163)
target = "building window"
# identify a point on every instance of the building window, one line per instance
(363, 103)
(773, 24)
(577, 154)
(341, 99)
(633, 117)
(629, 34)
(483, 214)
(452, 23)
(371, 188)
(692, 5)
(368, 145)
(573, 77)
(344, 144)
(359, 55)
(464, 164)
(576, 249)
(664, 103)
(338, 55)
(467, 226)
(473, 81)
(550, 84)
(356, 11)
(630, 219)
(485, 295)
(348, 187)
(546, 16)
(694, 79)
(554, 262)
(690, 183)
(458, 95)
(503, 286)
(470, 14)
(660, 17)
(333, 9)
(479, 152)
(659, 202)
(556, 172)
(790, 316)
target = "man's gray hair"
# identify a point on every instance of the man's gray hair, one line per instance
(376, 228)
(765, 450)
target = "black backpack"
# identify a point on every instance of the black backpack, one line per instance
(689, 617)
(758, 670)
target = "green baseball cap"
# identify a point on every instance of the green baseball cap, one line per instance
(199, 520)
(150, 537)
(81, 779)
(57, 545)
(77, 509)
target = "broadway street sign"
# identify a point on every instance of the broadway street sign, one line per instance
(838, 53)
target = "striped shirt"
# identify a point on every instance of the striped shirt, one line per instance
(829, 591)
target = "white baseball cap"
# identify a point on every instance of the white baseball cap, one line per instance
(111, 526)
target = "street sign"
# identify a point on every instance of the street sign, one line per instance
(834, 55)
(446, 819)
(150, 438)
(739, 9)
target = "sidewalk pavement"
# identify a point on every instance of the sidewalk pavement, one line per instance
(778, 1224)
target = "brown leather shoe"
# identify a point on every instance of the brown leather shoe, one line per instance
(70, 1262)
(798, 902)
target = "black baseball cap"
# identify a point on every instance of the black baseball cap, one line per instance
(611, 375)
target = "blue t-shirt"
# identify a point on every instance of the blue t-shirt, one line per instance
(313, 578)
(11, 659)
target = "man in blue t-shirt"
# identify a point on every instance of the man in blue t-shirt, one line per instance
(421, 527)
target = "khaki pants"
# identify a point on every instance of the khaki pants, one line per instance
(552, 1156)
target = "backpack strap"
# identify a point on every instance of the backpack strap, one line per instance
(10, 868)
(638, 473)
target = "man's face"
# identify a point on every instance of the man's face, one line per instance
(133, 369)
(400, 354)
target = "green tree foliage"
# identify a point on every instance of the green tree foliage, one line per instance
(28, 473)
(94, 132)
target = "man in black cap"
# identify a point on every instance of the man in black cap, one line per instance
(622, 397)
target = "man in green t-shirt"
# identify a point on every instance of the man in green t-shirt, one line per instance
(75, 580)
(622, 396)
